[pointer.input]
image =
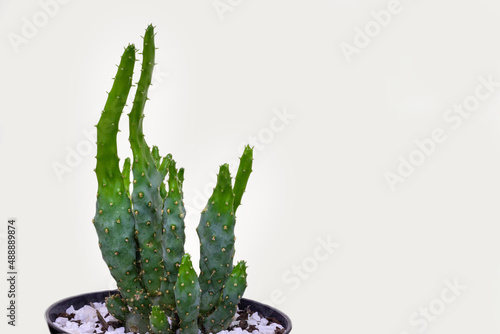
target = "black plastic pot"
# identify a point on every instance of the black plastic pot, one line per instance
(84, 299)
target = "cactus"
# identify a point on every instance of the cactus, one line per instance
(141, 229)
(146, 198)
(187, 297)
(234, 288)
(216, 233)
(118, 307)
(242, 176)
(159, 321)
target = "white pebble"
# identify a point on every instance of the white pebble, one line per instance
(86, 314)
(255, 316)
(88, 317)
(61, 321)
(87, 328)
(102, 309)
(265, 329)
(253, 322)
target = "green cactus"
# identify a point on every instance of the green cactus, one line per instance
(216, 233)
(187, 297)
(114, 221)
(173, 225)
(117, 307)
(146, 196)
(234, 288)
(141, 230)
(173, 236)
(159, 321)
(242, 176)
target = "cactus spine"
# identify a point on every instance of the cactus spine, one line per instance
(141, 230)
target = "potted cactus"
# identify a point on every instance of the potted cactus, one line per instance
(141, 231)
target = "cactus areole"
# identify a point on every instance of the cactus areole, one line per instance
(141, 229)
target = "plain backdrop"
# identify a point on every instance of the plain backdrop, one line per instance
(336, 96)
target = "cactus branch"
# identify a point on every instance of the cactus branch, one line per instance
(241, 179)
(146, 197)
(234, 288)
(113, 220)
(187, 296)
(159, 321)
(216, 233)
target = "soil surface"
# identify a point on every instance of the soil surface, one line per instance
(95, 319)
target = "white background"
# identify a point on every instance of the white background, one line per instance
(319, 175)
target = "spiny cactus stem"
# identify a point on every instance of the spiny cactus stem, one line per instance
(137, 113)
(241, 180)
(107, 128)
